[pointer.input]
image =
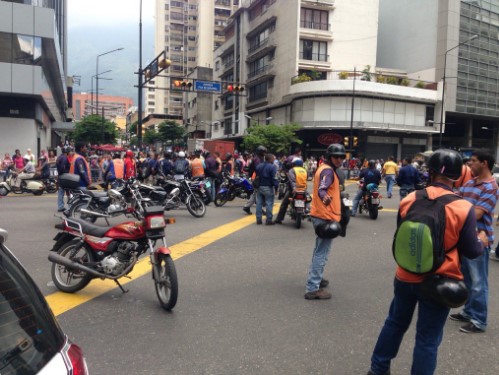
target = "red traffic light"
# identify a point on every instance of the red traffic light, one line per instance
(230, 88)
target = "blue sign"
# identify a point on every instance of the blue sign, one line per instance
(207, 86)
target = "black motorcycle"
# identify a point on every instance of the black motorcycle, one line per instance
(181, 192)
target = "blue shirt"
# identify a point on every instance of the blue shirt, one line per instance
(267, 173)
(408, 175)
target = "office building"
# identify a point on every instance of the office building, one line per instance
(110, 106)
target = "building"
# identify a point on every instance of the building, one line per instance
(313, 62)
(33, 65)
(446, 46)
(84, 104)
(188, 30)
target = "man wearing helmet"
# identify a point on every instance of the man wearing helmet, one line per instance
(369, 175)
(326, 207)
(62, 164)
(460, 238)
(297, 176)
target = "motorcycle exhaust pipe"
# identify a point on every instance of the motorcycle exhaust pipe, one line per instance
(88, 212)
(56, 258)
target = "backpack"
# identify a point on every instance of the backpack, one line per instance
(418, 243)
(180, 166)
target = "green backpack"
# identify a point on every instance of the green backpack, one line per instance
(418, 243)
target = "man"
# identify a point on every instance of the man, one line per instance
(408, 177)
(389, 172)
(43, 170)
(461, 239)
(130, 165)
(371, 176)
(266, 172)
(180, 166)
(27, 172)
(115, 170)
(63, 165)
(481, 192)
(229, 164)
(211, 171)
(197, 165)
(151, 168)
(79, 165)
(260, 152)
(326, 206)
(297, 176)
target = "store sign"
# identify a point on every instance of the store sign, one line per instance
(328, 138)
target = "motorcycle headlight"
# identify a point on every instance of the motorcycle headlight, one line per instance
(155, 222)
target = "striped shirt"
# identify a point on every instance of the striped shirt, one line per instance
(483, 196)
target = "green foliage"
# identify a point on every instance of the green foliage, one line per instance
(380, 78)
(366, 73)
(276, 138)
(314, 74)
(95, 130)
(420, 85)
(392, 80)
(171, 133)
(343, 75)
(301, 78)
(151, 136)
(133, 128)
(404, 82)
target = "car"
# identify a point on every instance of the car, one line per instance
(495, 173)
(31, 340)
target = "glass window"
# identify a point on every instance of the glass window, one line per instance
(5, 47)
(23, 49)
(313, 50)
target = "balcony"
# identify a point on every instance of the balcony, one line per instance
(316, 31)
(261, 49)
(319, 3)
(313, 60)
(265, 72)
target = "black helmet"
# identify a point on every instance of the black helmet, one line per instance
(335, 149)
(447, 163)
(328, 229)
(444, 291)
(228, 156)
(371, 164)
(261, 150)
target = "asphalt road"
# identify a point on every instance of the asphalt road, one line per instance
(241, 308)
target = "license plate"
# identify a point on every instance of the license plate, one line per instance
(299, 204)
(347, 202)
(374, 200)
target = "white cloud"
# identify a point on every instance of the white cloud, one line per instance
(92, 13)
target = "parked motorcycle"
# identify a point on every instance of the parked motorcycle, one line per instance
(33, 186)
(84, 251)
(299, 207)
(233, 187)
(370, 201)
(180, 192)
(50, 185)
(201, 186)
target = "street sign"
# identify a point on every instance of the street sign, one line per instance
(207, 86)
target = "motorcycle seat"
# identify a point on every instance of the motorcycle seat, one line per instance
(92, 229)
(97, 194)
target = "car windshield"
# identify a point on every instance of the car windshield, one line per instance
(29, 334)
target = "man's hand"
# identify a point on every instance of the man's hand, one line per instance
(326, 200)
(482, 236)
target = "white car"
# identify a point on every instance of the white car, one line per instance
(31, 340)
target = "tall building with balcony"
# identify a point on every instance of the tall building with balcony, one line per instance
(313, 62)
(188, 30)
(110, 106)
(33, 64)
(447, 46)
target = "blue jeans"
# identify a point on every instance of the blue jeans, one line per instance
(267, 193)
(356, 200)
(476, 273)
(213, 188)
(429, 330)
(60, 199)
(390, 181)
(405, 189)
(319, 259)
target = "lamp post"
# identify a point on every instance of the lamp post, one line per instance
(97, 75)
(258, 119)
(443, 87)
(92, 86)
(350, 140)
(139, 96)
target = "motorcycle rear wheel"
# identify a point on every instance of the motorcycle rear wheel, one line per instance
(373, 212)
(167, 285)
(68, 280)
(298, 221)
(37, 192)
(52, 188)
(220, 199)
(74, 211)
(3, 191)
(195, 206)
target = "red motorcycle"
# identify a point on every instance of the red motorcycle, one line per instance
(84, 251)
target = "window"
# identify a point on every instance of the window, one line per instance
(314, 19)
(260, 39)
(313, 50)
(258, 91)
(6, 47)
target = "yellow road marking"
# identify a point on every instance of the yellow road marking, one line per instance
(61, 302)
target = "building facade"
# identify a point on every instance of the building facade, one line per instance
(110, 106)
(33, 66)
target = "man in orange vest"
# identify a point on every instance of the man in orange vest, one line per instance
(79, 165)
(297, 182)
(197, 166)
(326, 207)
(115, 169)
(461, 239)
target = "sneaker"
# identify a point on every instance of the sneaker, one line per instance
(247, 210)
(258, 222)
(269, 223)
(471, 328)
(459, 318)
(318, 294)
(324, 283)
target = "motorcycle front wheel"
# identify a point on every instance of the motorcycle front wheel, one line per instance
(3, 191)
(75, 211)
(68, 280)
(220, 199)
(373, 212)
(52, 188)
(167, 285)
(195, 206)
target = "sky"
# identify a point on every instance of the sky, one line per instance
(99, 26)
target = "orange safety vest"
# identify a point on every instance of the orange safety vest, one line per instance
(301, 178)
(72, 166)
(119, 168)
(466, 175)
(318, 209)
(456, 213)
(197, 168)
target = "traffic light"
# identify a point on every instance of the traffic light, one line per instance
(182, 84)
(355, 141)
(346, 142)
(234, 88)
(164, 63)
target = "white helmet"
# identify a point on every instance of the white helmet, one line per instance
(181, 154)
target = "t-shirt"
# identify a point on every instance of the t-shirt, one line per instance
(390, 168)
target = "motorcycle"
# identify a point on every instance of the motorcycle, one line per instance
(33, 186)
(370, 201)
(180, 192)
(50, 185)
(201, 186)
(283, 184)
(299, 207)
(233, 187)
(83, 251)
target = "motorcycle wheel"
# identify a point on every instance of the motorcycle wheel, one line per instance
(68, 280)
(17, 190)
(195, 206)
(220, 199)
(74, 211)
(298, 221)
(231, 196)
(37, 192)
(373, 212)
(167, 285)
(3, 191)
(52, 188)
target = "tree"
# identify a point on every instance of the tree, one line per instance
(277, 138)
(171, 133)
(95, 130)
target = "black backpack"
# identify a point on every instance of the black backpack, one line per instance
(418, 243)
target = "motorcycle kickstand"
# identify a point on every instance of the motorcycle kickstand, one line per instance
(121, 287)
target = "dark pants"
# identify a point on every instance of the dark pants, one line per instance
(284, 205)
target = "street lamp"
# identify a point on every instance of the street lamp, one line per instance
(97, 74)
(92, 85)
(258, 119)
(443, 86)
